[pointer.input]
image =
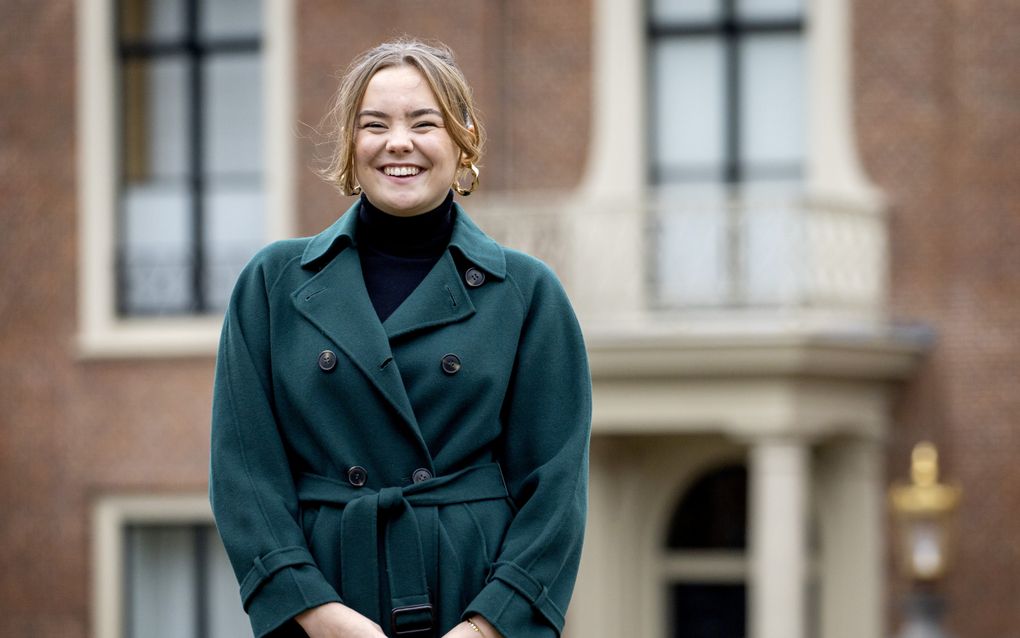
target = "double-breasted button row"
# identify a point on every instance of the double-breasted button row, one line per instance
(450, 363)
(357, 475)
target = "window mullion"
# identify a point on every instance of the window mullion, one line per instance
(196, 168)
(201, 561)
(732, 173)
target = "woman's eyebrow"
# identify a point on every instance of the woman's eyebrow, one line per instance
(411, 114)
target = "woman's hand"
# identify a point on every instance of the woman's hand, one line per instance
(334, 620)
(465, 630)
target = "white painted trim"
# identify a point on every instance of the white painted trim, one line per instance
(109, 516)
(704, 567)
(101, 333)
(617, 159)
(833, 168)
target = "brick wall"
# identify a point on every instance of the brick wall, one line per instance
(72, 429)
(938, 97)
(528, 62)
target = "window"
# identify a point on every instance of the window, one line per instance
(186, 164)
(728, 99)
(159, 570)
(727, 111)
(190, 197)
(178, 583)
(705, 564)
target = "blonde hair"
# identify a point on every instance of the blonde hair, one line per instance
(436, 64)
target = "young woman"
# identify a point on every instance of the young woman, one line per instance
(402, 406)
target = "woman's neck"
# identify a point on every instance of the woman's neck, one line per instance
(422, 235)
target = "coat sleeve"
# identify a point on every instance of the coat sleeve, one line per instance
(547, 424)
(251, 488)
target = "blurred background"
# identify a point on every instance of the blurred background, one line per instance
(791, 229)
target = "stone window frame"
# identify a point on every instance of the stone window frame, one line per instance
(617, 166)
(101, 332)
(111, 515)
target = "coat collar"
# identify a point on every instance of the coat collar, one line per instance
(468, 239)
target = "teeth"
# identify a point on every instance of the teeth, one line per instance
(401, 171)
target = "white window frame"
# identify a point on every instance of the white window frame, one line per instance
(110, 516)
(101, 332)
(617, 158)
(610, 207)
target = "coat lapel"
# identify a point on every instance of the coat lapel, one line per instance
(439, 299)
(335, 300)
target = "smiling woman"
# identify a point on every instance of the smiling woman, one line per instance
(405, 79)
(402, 406)
(405, 160)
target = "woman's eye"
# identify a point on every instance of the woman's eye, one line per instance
(372, 125)
(426, 125)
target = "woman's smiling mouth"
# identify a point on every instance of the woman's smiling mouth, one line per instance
(401, 171)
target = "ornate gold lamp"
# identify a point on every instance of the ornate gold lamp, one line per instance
(923, 512)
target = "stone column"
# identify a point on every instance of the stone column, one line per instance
(778, 470)
(851, 501)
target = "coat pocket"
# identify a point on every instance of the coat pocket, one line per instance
(321, 527)
(471, 537)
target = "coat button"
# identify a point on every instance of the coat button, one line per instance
(327, 360)
(451, 363)
(421, 474)
(357, 475)
(474, 277)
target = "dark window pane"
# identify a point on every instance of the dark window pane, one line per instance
(772, 115)
(179, 584)
(689, 107)
(160, 582)
(151, 19)
(234, 230)
(230, 18)
(155, 119)
(708, 611)
(685, 11)
(712, 513)
(191, 209)
(769, 9)
(155, 251)
(232, 121)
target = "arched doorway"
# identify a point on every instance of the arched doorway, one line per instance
(705, 557)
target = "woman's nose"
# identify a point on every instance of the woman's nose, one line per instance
(399, 140)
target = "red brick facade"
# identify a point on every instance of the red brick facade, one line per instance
(938, 120)
(937, 89)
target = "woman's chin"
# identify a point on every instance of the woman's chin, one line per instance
(401, 204)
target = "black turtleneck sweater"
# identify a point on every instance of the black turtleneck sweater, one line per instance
(397, 252)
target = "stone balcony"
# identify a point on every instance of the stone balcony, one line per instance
(707, 264)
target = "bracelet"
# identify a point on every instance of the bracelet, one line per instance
(475, 627)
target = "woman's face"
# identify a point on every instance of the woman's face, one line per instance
(404, 158)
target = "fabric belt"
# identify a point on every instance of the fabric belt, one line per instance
(411, 612)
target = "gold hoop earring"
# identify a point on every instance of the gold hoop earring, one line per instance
(474, 181)
(356, 190)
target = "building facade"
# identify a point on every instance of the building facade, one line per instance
(791, 230)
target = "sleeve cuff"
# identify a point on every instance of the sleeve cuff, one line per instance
(517, 605)
(285, 593)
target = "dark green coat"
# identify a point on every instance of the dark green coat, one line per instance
(474, 467)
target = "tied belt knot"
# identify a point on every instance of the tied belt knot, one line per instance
(407, 537)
